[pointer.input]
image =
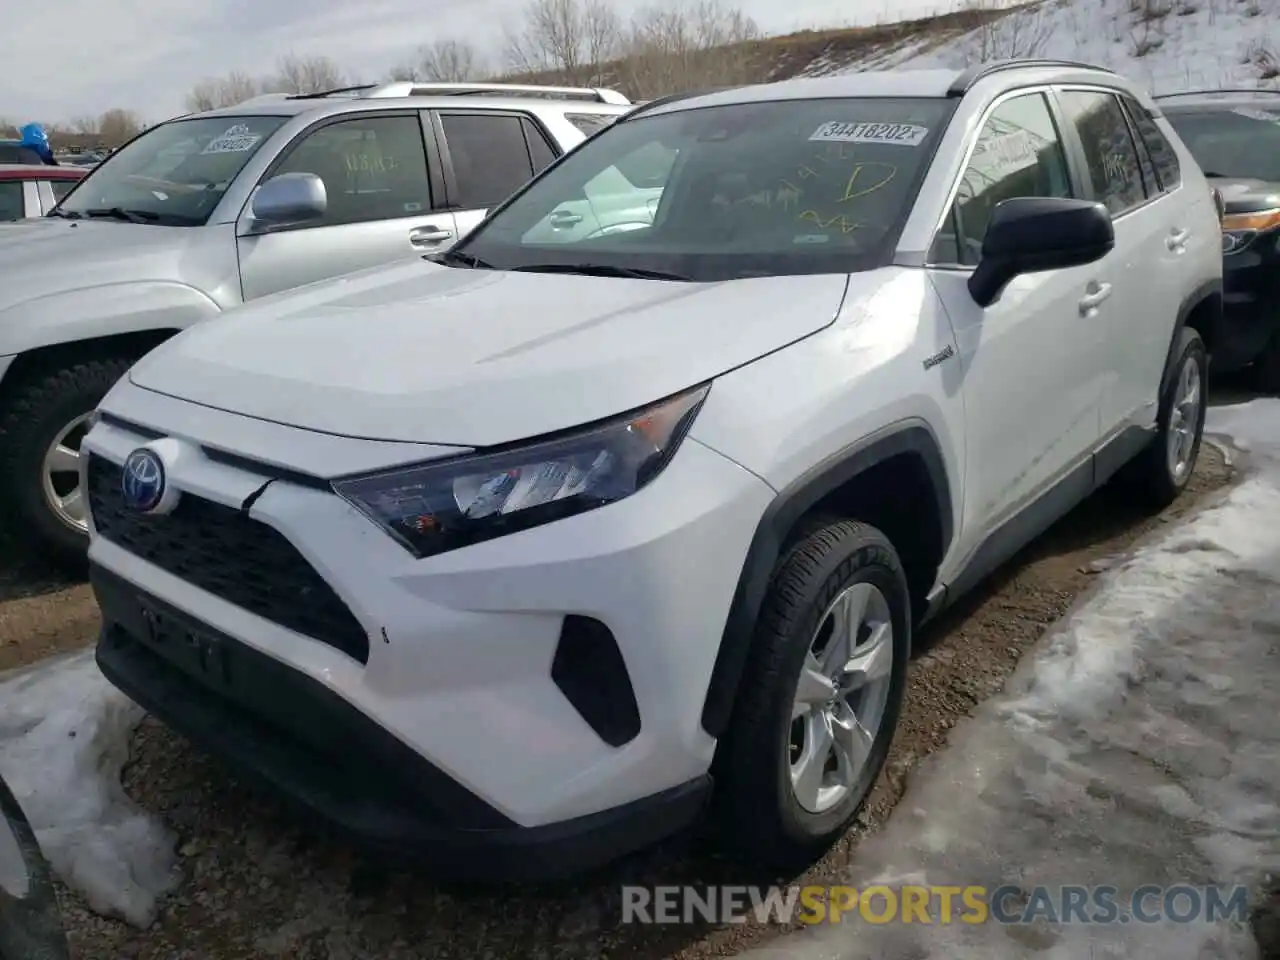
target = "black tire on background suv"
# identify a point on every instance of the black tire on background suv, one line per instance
(42, 421)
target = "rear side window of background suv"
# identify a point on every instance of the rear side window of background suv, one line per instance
(1166, 161)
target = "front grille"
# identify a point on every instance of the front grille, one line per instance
(230, 555)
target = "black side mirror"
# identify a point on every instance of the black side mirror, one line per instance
(1035, 234)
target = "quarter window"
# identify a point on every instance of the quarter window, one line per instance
(1112, 157)
(373, 168)
(1018, 154)
(61, 188)
(539, 150)
(1168, 172)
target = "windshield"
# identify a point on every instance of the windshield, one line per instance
(173, 174)
(1233, 141)
(718, 193)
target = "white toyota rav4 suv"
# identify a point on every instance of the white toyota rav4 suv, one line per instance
(505, 557)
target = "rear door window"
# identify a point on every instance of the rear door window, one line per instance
(490, 157)
(1114, 166)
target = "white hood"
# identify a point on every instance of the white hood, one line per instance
(430, 354)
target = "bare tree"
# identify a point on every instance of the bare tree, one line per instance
(689, 47)
(448, 61)
(214, 92)
(1019, 33)
(295, 74)
(117, 125)
(85, 123)
(572, 38)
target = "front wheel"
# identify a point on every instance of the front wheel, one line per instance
(820, 697)
(42, 423)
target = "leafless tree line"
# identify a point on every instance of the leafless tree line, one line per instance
(660, 49)
(110, 128)
(293, 74)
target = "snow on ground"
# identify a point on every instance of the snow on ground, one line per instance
(64, 738)
(1139, 745)
(1165, 45)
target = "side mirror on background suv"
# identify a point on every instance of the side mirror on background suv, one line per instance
(289, 199)
(1035, 234)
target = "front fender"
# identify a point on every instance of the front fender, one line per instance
(102, 311)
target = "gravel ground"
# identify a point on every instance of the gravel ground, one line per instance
(259, 884)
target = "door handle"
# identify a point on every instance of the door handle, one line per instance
(1090, 301)
(1178, 239)
(564, 218)
(429, 236)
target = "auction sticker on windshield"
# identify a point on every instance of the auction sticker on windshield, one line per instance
(237, 139)
(903, 134)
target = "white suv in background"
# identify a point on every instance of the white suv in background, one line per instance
(507, 556)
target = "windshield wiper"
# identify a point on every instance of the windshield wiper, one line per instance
(120, 213)
(466, 259)
(603, 270)
(65, 214)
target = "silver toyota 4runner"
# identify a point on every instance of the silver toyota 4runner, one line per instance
(204, 212)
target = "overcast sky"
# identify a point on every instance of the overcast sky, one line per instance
(71, 57)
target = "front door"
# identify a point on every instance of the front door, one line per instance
(1031, 379)
(380, 209)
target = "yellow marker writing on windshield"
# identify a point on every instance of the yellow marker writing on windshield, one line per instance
(853, 190)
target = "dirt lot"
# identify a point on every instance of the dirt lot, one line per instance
(258, 884)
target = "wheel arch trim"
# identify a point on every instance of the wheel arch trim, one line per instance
(1210, 290)
(913, 436)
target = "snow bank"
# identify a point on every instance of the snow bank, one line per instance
(64, 735)
(1165, 45)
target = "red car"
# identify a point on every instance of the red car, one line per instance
(31, 190)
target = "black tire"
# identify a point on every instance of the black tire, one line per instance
(1148, 477)
(30, 921)
(32, 413)
(756, 810)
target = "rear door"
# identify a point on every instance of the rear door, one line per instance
(1149, 243)
(487, 156)
(383, 203)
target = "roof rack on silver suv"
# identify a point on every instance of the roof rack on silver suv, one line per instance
(964, 83)
(410, 88)
(1224, 91)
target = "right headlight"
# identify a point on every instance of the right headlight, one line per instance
(1240, 229)
(443, 505)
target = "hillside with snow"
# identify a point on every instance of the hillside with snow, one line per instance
(1165, 45)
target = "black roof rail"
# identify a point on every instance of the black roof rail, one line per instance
(965, 82)
(321, 94)
(669, 98)
(1223, 90)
